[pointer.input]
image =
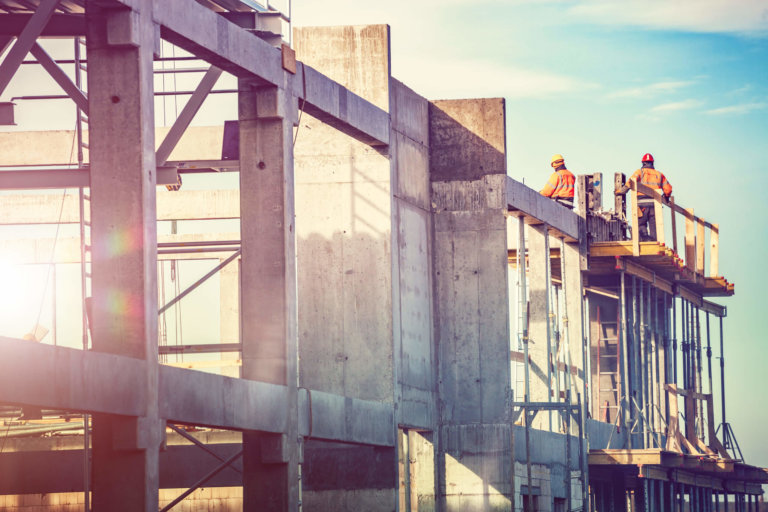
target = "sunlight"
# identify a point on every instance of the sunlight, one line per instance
(20, 296)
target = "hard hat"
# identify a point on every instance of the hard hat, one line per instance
(647, 157)
(556, 158)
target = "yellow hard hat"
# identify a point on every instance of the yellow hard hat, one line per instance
(557, 158)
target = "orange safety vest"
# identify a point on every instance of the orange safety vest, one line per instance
(560, 185)
(652, 178)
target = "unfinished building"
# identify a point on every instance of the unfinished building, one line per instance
(398, 323)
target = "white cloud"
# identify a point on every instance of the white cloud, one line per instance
(650, 89)
(744, 16)
(444, 77)
(675, 106)
(743, 108)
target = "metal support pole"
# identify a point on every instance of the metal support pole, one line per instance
(674, 340)
(722, 376)
(642, 352)
(548, 312)
(634, 368)
(699, 380)
(568, 413)
(625, 385)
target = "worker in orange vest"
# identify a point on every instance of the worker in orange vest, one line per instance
(647, 175)
(561, 184)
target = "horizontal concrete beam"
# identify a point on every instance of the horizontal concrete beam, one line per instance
(198, 398)
(180, 205)
(38, 179)
(211, 37)
(66, 378)
(94, 382)
(338, 418)
(37, 251)
(537, 209)
(54, 147)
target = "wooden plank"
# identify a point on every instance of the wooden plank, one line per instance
(635, 221)
(674, 223)
(690, 241)
(659, 213)
(714, 250)
(714, 442)
(699, 246)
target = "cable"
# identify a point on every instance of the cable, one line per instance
(55, 239)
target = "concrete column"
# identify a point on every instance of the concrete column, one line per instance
(467, 169)
(539, 326)
(268, 287)
(349, 277)
(573, 309)
(124, 306)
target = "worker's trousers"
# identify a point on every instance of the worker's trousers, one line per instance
(647, 223)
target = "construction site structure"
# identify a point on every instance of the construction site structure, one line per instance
(398, 323)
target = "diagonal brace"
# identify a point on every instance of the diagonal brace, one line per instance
(183, 433)
(26, 40)
(60, 77)
(198, 282)
(200, 482)
(187, 113)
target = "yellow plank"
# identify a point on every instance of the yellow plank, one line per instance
(674, 224)
(690, 241)
(714, 249)
(699, 246)
(659, 213)
(635, 221)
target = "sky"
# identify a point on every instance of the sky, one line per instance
(604, 82)
(599, 81)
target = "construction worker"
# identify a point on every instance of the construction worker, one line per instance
(560, 186)
(647, 175)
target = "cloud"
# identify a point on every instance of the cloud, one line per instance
(709, 16)
(743, 108)
(650, 89)
(445, 77)
(675, 106)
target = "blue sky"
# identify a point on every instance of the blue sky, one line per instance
(604, 82)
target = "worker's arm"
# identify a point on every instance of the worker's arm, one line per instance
(666, 187)
(551, 185)
(623, 189)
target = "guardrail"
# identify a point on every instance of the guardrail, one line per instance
(695, 230)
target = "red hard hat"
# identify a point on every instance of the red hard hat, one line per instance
(647, 157)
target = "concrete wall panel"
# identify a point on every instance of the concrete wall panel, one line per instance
(467, 139)
(355, 56)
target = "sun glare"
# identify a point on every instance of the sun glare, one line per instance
(20, 296)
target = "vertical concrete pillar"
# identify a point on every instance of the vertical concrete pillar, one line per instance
(468, 173)
(539, 321)
(268, 287)
(573, 309)
(123, 180)
(349, 270)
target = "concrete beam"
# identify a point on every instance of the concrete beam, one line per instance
(333, 417)
(54, 147)
(84, 381)
(37, 251)
(36, 179)
(213, 38)
(198, 398)
(49, 376)
(537, 209)
(181, 205)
